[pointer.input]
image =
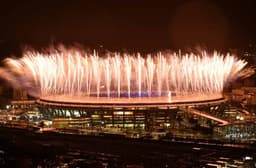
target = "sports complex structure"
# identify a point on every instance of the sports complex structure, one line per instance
(85, 90)
(139, 113)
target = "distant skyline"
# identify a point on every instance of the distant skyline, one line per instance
(138, 25)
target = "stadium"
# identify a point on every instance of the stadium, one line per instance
(142, 114)
(85, 90)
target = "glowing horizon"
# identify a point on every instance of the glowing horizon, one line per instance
(79, 73)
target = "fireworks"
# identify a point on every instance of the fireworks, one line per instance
(78, 73)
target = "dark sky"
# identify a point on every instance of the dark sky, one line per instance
(130, 24)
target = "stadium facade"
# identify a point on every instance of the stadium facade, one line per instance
(135, 115)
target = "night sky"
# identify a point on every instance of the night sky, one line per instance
(138, 25)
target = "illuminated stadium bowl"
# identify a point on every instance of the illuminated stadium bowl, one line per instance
(121, 102)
